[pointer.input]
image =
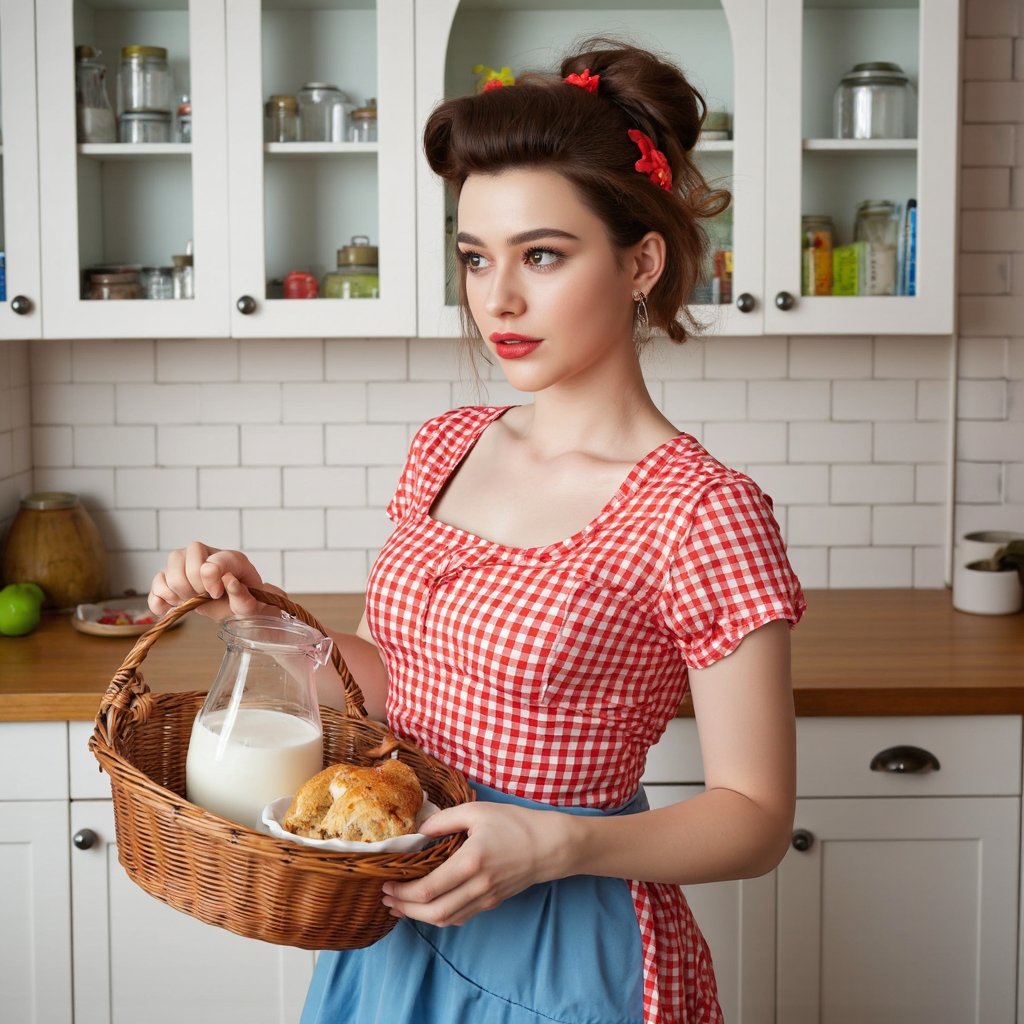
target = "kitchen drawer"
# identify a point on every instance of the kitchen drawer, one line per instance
(87, 781)
(675, 758)
(977, 755)
(33, 761)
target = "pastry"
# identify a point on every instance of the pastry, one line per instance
(346, 801)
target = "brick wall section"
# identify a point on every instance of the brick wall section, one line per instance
(291, 448)
(990, 408)
(15, 429)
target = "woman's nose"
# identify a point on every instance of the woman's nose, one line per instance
(504, 297)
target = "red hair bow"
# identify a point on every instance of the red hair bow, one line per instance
(585, 80)
(652, 161)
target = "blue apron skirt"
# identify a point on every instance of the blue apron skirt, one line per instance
(566, 951)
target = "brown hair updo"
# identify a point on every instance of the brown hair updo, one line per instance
(543, 122)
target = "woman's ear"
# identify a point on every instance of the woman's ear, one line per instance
(648, 261)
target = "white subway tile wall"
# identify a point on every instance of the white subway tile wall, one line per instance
(292, 448)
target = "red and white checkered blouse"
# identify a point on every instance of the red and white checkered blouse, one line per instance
(548, 672)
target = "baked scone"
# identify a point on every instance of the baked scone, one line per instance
(346, 801)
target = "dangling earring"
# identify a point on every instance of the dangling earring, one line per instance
(642, 328)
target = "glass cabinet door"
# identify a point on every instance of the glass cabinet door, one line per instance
(19, 185)
(720, 46)
(133, 209)
(862, 127)
(322, 194)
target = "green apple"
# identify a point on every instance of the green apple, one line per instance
(19, 608)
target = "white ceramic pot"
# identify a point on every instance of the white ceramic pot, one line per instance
(987, 591)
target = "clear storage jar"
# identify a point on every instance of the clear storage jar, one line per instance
(282, 119)
(874, 101)
(157, 282)
(144, 126)
(364, 123)
(95, 115)
(144, 80)
(323, 113)
(877, 225)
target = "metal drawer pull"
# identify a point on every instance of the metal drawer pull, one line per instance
(905, 760)
(802, 840)
(85, 839)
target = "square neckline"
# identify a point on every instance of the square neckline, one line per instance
(626, 489)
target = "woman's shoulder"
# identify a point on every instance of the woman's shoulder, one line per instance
(450, 433)
(691, 472)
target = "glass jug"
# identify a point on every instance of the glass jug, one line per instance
(258, 735)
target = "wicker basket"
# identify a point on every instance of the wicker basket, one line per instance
(224, 873)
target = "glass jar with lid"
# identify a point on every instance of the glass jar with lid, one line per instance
(364, 123)
(282, 119)
(144, 80)
(356, 276)
(114, 283)
(818, 237)
(323, 113)
(157, 282)
(877, 228)
(874, 101)
(95, 114)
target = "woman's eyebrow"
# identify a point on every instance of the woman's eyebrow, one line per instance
(524, 236)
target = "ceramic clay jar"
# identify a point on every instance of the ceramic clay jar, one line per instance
(54, 542)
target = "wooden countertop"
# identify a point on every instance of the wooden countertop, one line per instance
(857, 652)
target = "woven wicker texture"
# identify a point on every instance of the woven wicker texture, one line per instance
(221, 872)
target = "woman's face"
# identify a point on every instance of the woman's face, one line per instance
(550, 297)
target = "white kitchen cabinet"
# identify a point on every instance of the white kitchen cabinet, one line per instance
(898, 900)
(781, 162)
(19, 188)
(286, 206)
(137, 959)
(294, 205)
(141, 204)
(35, 899)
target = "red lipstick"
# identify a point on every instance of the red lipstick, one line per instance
(513, 346)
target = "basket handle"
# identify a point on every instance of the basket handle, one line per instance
(128, 694)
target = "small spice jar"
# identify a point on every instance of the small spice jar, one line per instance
(282, 119)
(114, 284)
(183, 277)
(364, 123)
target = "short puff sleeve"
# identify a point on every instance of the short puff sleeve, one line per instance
(730, 573)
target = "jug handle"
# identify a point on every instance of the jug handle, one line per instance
(127, 695)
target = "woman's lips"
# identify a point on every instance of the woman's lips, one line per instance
(513, 346)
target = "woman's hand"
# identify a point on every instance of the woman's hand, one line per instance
(200, 569)
(507, 850)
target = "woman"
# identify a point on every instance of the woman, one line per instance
(559, 574)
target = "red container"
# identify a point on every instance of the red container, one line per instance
(298, 284)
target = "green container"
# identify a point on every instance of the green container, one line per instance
(356, 275)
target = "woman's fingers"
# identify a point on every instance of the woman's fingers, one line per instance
(202, 569)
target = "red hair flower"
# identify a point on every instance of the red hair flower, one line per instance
(585, 80)
(494, 83)
(652, 161)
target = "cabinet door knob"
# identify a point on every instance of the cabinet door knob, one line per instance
(85, 839)
(21, 305)
(246, 305)
(784, 301)
(905, 760)
(802, 840)
(745, 302)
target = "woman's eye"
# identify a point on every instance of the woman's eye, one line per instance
(543, 257)
(473, 260)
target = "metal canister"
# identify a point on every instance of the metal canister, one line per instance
(356, 276)
(818, 234)
(144, 126)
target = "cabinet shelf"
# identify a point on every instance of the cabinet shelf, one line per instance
(847, 146)
(133, 150)
(310, 148)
